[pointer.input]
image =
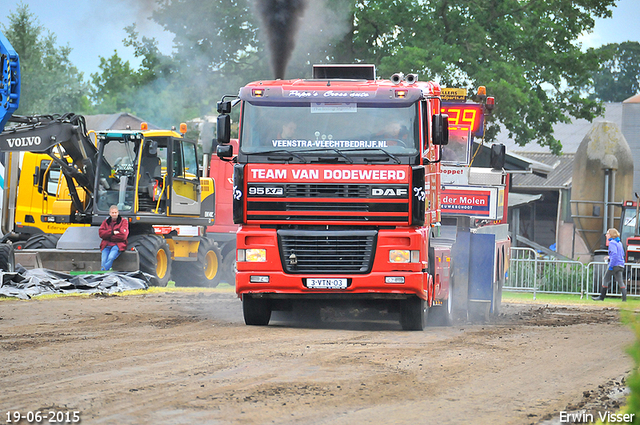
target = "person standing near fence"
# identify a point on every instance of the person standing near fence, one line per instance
(616, 265)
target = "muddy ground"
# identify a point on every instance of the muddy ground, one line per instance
(187, 358)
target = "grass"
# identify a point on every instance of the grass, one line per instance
(632, 303)
(521, 297)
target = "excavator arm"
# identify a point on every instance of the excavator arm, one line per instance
(62, 138)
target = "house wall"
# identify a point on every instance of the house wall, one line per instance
(631, 132)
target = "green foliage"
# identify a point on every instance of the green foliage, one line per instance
(157, 91)
(633, 381)
(49, 82)
(113, 86)
(617, 77)
(559, 277)
(523, 51)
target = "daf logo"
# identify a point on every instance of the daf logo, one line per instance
(24, 141)
(389, 191)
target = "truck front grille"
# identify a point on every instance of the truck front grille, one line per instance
(327, 252)
(326, 191)
(355, 203)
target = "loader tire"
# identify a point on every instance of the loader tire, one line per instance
(155, 257)
(7, 258)
(42, 241)
(207, 271)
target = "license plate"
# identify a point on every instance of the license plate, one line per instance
(327, 283)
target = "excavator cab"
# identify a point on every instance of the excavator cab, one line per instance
(148, 173)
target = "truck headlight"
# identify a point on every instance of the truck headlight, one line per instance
(404, 256)
(253, 255)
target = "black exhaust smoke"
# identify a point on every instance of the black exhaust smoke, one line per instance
(281, 19)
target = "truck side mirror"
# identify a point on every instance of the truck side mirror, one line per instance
(440, 129)
(224, 151)
(224, 129)
(224, 107)
(498, 156)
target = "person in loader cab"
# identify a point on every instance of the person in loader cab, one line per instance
(113, 231)
(616, 265)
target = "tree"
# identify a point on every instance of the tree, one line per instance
(618, 76)
(113, 85)
(49, 82)
(524, 51)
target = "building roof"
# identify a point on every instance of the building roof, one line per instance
(519, 199)
(633, 99)
(558, 178)
(570, 135)
(514, 163)
(119, 121)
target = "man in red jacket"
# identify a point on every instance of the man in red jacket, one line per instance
(114, 232)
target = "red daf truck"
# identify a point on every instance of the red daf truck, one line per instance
(337, 187)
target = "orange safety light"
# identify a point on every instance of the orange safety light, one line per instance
(482, 91)
(257, 92)
(401, 94)
(183, 127)
(144, 126)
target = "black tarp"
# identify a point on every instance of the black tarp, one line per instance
(25, 283)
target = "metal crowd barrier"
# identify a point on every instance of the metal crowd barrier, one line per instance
(529, 273)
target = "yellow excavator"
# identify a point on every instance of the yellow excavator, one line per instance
(60, 181)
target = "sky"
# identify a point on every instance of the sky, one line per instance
(95, 28)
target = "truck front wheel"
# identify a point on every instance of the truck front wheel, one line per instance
(412, 314)
(257, 311)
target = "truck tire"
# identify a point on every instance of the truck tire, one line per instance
(256, 311)
(207, 271)
(155, 257)
(42, 241)
(229, 268)
(412, 314)
(7, 258)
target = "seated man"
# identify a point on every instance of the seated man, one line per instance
(114, 232)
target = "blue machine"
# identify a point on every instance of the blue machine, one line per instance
(9, 81)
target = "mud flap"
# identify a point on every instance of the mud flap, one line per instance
(73, 260)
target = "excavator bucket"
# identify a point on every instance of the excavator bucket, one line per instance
(73, 260)
(78, 250)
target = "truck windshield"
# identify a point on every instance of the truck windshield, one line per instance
(628, 227)
(311, 127)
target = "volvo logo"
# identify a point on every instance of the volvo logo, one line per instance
(24, 141)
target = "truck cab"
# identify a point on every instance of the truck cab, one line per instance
(335, 189)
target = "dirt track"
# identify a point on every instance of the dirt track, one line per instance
(186, 358)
